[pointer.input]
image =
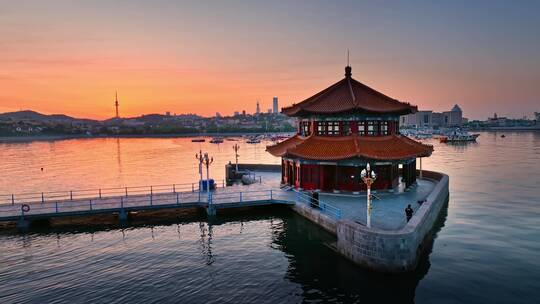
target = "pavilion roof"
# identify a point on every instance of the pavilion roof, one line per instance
(390, 147)
(349, 95)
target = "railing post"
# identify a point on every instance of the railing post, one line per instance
(174, 188)
(193, 187)
(70, 195)
(151, 203)
(99, 193)
(126, 191)
(199, 196)
(121, 202)
(13, 199)
(56, 206)
(240, 196)
(271, 198)
(260, 179)
(177, 199)
(151, 191)
(42, 198)
(90, 205)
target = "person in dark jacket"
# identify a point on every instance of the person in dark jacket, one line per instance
(409, 212)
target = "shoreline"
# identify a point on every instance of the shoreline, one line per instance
(22, 139)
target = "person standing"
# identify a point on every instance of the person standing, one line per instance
(409, 212)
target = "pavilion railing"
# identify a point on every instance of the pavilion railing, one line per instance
(302, 197)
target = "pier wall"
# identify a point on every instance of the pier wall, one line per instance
(317, 217)
(394, 251)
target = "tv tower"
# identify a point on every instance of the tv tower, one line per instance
(116, 105)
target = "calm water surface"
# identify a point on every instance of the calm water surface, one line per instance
(487, 249)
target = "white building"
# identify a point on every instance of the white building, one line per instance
(497, 121)
(428, 118)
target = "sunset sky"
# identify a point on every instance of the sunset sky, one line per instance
(221, 56)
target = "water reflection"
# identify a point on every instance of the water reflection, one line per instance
(118, 156)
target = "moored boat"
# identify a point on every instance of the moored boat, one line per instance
(457, 136)
(253, 140)
(216, 140)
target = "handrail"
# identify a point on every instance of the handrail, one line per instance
(46, 196)
(122, 202)
(327, 208)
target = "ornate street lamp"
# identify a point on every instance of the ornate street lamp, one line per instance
(207, 161)
(236, 147)
(368, 177)
(200, 157)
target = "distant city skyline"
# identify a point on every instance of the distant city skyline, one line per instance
(71, 56)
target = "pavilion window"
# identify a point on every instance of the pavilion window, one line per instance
(333, 128)
(361, 128)
(384, 127)
(372, 128)
(321, 128)
(305, 129)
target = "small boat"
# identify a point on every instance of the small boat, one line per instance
(278, 138)
(198, 140)
(458, 136)
(248, 179)
(503, 136)
(216, 140)
(231, 139)
(253, 140)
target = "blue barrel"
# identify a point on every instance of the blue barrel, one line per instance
(207, 182)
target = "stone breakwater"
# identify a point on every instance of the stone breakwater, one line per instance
(383, 250)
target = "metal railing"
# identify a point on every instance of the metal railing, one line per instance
(100, 193)
(302, 197)
(153, 200)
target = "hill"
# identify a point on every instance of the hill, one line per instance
(35, 116)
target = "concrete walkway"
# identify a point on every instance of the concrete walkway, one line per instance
(388, 213)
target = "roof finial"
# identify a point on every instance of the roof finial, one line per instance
(348, 69)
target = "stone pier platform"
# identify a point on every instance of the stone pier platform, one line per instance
(392, 244)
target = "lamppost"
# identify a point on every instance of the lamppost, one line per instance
(200, 157)
(369, 177)
(236, 147)
(207, 161)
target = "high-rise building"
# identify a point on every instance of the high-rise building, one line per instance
(275, 105)
(258, 108)
(116, 104)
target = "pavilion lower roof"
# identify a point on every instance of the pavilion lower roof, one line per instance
(390, 147)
